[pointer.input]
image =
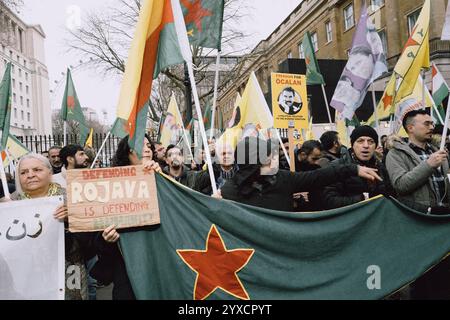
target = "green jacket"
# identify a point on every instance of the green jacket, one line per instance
(411, 177)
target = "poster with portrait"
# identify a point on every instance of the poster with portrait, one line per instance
(289, 101)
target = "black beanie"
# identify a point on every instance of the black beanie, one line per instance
(364, 131)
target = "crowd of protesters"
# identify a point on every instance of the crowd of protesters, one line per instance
(327, 175)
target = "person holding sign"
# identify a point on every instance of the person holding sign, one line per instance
(35, 181)
(110, 267)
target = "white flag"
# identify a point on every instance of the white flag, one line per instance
(446, 29)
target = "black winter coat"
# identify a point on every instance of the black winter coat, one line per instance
(275, 192)
(351, 189)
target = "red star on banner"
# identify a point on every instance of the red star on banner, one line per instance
(195, 13)
(387, 101)
(217, 267)
(411, 42)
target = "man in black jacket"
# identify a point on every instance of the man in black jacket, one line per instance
(257, 183)
(352, 190)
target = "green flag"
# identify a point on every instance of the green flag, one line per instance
(204, 21)
(5, 105)
(71, 109)
(206, 248)
(353, 123)
(313, 75)
(207, 116)
(119, 128)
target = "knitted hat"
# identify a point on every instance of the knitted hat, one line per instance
(364, 131)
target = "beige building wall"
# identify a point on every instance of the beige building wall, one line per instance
(312, 15)
(23, 45)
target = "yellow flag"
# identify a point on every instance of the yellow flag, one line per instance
(89, 141)
(171, 130)
(250, 116)
(416, 54)
(341, 129)
(15, 150)
(385, 107)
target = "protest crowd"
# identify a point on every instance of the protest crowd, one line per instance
(256, 169)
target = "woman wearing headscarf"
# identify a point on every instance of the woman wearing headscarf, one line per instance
(110, 267)
(35, 181)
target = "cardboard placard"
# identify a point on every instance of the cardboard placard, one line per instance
(121, 196)
(289, 101)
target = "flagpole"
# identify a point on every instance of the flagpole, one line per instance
(65, 133)
(444, 133)
(4, 182)
(377, 121)
(423, 90)
(202, 126)
(183, 41)
(216, 85)
(326, 103)
(100, 150)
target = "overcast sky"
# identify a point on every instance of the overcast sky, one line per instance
(93, 90)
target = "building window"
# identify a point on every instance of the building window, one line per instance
(21, 40)
(412, 20)
(26, 76)
(27, 89)
(13, 70)
(376, 4)
(289, 55)
(20, 86)
(15, 114)
(301, 51)
(329, 31)
(383, 37)
(10, 53)
(21, 115)
(349, 18)
(28, 116)
(14, 83)
(18, 59)
(14, 97)
(21, 100)
(28, 103)
(315, 41)
(20, 72)
(24, 63)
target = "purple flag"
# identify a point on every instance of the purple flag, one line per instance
(366, 63)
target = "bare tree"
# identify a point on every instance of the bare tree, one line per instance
(105, 38)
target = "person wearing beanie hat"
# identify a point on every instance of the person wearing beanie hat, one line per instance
(352, 190)
(259, 184)
(364, 131)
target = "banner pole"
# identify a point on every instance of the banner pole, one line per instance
(100, 150)
(202, 126)
(4, 182)
(444, 133)
(216, 85)
(65, 133)
(377, 121)
(326, 103)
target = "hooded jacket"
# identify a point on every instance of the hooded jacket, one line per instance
(411, 177)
